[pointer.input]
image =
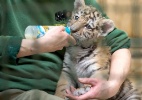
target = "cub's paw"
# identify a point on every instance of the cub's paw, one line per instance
(81, 91)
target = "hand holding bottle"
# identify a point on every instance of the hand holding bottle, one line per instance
(55, 39)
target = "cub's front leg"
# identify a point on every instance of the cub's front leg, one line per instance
(63, 84)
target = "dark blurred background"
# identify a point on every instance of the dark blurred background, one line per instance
(127, 16)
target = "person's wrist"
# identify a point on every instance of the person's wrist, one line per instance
(41, 44)
(114, 87)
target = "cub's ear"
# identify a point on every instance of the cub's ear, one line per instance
(107, 26)
(79, 3)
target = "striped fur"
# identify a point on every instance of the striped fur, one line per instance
(90, 57)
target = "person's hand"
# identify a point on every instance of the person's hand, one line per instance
(99, 90)
(55, 39)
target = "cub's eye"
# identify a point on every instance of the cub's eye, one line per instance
(88, 26)
(76, 17)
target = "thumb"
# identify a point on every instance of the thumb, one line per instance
(90, 81)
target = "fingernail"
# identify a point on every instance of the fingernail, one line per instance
(80, 79)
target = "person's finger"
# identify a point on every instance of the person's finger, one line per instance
(90, 81)
(72, 97)
(67, 44)
(85, 96)
(72, 89)
(71, 40)
(68, 92)
(61, 28)
(82, 97)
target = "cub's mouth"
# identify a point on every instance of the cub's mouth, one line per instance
(73, 29)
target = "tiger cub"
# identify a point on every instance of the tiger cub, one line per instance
(90, 57)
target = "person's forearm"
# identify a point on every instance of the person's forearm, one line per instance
(120, 67)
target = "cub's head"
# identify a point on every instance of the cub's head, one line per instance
(87, 24)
